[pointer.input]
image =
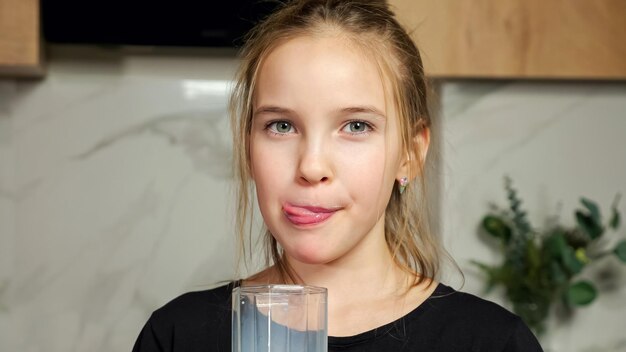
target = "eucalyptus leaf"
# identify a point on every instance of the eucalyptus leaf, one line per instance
(557, 274)
(589, 226)
(521, 224)
(580, 293)
(570, 261)
(496, 227)
(555, 245)
(615, 215)
(620, 251)
(559, 251)
(533, 256)
(593, 209)
(615, 219)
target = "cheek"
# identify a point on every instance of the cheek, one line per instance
(261, 173)
(270, 170)
(367, 174)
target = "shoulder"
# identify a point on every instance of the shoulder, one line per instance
(195, 304)
(464, 306)
(191, 302)
(192, 320)
(465, 319)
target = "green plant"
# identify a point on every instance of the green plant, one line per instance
(541, 267)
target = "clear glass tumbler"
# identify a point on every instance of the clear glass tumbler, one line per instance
(279, 318)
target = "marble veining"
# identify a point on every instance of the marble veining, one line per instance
(203, 135)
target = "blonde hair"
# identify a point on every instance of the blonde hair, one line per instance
(372, 26)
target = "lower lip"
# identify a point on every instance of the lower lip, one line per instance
(308, 219)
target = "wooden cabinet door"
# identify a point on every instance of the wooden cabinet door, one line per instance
(571, 39)
(20, 38)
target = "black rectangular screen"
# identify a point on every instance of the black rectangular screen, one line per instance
(152, 22)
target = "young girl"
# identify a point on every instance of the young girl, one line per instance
(331, 127)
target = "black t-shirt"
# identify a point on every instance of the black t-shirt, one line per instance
(447, 321)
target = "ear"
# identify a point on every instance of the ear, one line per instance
(412, 164)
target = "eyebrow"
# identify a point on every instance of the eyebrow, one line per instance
(268, 109)
(365, 109)
(362, 110)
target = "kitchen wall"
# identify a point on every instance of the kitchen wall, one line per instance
(558, 142)
(115, 194)
(115, 187)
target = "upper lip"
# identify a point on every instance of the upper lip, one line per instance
(302, 208)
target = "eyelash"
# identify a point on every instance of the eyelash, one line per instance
(269, 127)
(368, 127)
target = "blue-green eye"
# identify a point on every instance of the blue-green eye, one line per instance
(280, 127)
(357, 127)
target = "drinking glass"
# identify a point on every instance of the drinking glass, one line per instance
(279, 318)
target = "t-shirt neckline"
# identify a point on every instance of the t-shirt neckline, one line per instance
(397, 325)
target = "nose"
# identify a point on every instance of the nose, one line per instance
(315, 166)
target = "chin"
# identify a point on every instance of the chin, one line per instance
(311, 255)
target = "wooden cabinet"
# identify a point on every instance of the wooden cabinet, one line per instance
(20, 38)
(565, 39)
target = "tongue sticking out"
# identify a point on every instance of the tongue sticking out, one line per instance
(307, 215)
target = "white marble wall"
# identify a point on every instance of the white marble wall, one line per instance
(114, 194)
(115, 190)
(558, 141)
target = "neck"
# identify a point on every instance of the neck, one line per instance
(368, 269)
(371, 273)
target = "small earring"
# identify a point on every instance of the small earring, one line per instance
(404, 181)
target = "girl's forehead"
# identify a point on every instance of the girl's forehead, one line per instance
(330, 69)
(307, 49)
